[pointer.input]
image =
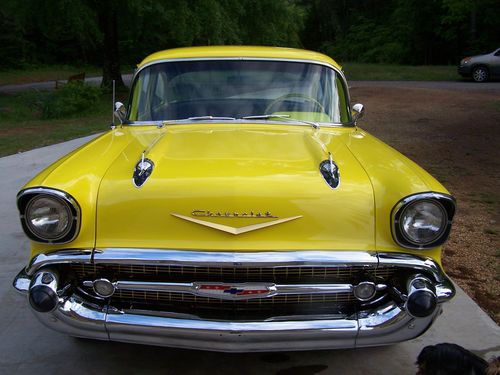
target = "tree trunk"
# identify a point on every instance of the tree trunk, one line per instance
(108, 17)
(472, 29)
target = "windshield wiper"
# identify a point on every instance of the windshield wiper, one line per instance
(264, 117)
(201, 118)
(284, 117)
(197, 118)
(254, 117)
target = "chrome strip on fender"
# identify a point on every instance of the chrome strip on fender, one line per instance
(58, 257)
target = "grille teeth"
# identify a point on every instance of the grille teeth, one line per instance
(141, 296)
(214, 308)
(348, 274)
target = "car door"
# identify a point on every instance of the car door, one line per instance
(495, 63)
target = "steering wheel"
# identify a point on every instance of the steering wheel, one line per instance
(294, 95)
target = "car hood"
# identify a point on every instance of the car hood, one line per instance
(236, 187)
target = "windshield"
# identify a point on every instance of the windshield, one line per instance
(236, 89)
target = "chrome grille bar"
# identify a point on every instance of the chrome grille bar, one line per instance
(255, 290)
(165, 257)
(241, 260)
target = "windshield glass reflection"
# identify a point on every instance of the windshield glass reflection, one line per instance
(235, 89)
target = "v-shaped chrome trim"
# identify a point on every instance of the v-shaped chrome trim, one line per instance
(233, 230)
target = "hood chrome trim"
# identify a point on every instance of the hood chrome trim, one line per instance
(234, 230)
(330, 172)
(142, 171)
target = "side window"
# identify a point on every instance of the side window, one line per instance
(497, 53)
(140, 101)
(342, 96)
(160, 86)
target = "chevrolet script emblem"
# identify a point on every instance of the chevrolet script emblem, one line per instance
(235, 230)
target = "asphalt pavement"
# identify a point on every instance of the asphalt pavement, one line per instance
(27, 347)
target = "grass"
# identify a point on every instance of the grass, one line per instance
(41, 73)
(486, 198)
(495, 105)
(387, 72)
(45, 73)
(22, 129)
(490, 201)
(491, 231)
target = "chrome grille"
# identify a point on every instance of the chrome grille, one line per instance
(317, 274)
(215, 308)
(261, 308)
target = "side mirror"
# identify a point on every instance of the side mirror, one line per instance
(358, 110)
(120, 112)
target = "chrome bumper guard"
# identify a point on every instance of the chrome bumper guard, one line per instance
(386, 324)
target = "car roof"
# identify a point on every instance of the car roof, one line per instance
(239, 51)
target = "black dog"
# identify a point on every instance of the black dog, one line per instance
(449, 359)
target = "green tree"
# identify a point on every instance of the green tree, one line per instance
(113, 33)
(107, 12)
(13, 50)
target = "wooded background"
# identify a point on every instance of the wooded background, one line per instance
(111, 33)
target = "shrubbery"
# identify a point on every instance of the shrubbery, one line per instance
(68, 100)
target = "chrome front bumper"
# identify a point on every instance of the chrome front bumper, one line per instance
(387, 324)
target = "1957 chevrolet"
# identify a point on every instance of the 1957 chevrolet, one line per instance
(237, 207)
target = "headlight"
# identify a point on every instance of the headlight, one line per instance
(48, 215)
(423, 220)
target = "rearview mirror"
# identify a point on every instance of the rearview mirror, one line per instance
(120, 112)
(358, 110)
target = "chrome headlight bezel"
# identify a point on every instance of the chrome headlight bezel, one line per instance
(444, 202)
(27, 197)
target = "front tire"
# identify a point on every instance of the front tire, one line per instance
(480, 74)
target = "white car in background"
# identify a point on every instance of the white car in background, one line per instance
(481, 67)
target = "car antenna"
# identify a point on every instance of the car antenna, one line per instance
(113, 107)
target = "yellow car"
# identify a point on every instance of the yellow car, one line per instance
(237, 206)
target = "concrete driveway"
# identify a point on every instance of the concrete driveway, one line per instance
(27, 347)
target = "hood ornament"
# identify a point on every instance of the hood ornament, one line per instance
(235, 230)
(142, 171)
(330, 172)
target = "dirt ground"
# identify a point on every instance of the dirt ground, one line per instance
(455, 135)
